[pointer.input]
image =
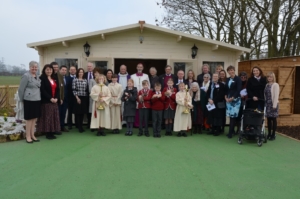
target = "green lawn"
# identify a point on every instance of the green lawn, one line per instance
(116, 166)
(10, 80)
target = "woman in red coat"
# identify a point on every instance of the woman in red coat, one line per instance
(169, 98)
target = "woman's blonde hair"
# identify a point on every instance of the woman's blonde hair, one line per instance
(130, 80)
(98, 78)
(271, 74)
(220, 67)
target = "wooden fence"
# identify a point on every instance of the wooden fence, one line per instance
(8, 92)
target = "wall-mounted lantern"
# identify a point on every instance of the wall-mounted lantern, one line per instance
(87, 47)
(194, 51)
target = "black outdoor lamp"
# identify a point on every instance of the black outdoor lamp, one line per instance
(194, 51)
(86, 47)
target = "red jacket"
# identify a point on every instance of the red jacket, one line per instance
(157, 103)
(147, 99)
(169, 101)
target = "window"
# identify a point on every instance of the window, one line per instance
(102, 65)
(213, 65)
(67, 62)
(179, 66)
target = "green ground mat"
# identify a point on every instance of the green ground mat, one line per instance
(116, 166)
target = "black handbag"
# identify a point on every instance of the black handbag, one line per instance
(221, 105)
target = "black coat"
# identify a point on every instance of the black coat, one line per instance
(176, 83)
(218, 93)
(162, 78)
(255, 88)
(46, 91)
(235, 87)
(130, 103)
(153, 80)
(218, 97)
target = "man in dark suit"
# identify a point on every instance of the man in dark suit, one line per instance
(71, 97)
(61, 86)
(179, 79)
(205, 70)
(63, 107)
(89, 75)
(163, 79)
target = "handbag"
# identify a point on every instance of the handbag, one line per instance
(221, 105)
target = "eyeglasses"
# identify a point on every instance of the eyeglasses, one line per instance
(205, 77)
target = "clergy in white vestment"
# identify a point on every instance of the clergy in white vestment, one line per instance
(115, 104)
(183, 121)
(101, 96)
(137, 79)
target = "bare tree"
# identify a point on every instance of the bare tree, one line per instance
(270, 28)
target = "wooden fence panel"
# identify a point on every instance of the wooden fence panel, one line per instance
(10, 90)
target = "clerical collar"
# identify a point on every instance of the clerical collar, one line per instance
(139, 74)
(168, 75)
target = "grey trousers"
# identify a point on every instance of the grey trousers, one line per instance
(156, 120)
(143, 116)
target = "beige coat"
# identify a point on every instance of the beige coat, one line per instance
(275, 94)
(182, 121)
(115, 110)
(100, 118)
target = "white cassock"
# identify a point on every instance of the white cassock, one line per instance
(100, 118)
(182, 121)
(138, 80)
(116, 91)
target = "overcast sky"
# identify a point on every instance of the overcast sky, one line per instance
(26, 21)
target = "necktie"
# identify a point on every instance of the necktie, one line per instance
(89, 76)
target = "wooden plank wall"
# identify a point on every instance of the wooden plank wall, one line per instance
(272, 65)
(289, 120)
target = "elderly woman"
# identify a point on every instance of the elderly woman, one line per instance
(30, 95)
(215, 95)
(233, 99)
(49, 121)
(255, 88)
(204, 87)
(197, 114)
(153, 77)
(190, 78)
(271, 99)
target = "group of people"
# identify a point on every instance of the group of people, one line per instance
(170, 101)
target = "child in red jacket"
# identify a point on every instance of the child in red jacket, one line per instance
(144, 105)
(157, 110)
(169, 98)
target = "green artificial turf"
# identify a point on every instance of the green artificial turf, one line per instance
(116, 166)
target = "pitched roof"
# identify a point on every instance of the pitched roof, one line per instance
(137, 25)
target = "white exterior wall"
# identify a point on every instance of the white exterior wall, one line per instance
(126, 44)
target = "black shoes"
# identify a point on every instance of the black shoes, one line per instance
(29, 142)
(229, 136)
(179, 134)
(50, 136)
(116, 131)
(35, 140)
(140, 133)
(64, 130)
(147, 134)
(101, 132)
(184, 134)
